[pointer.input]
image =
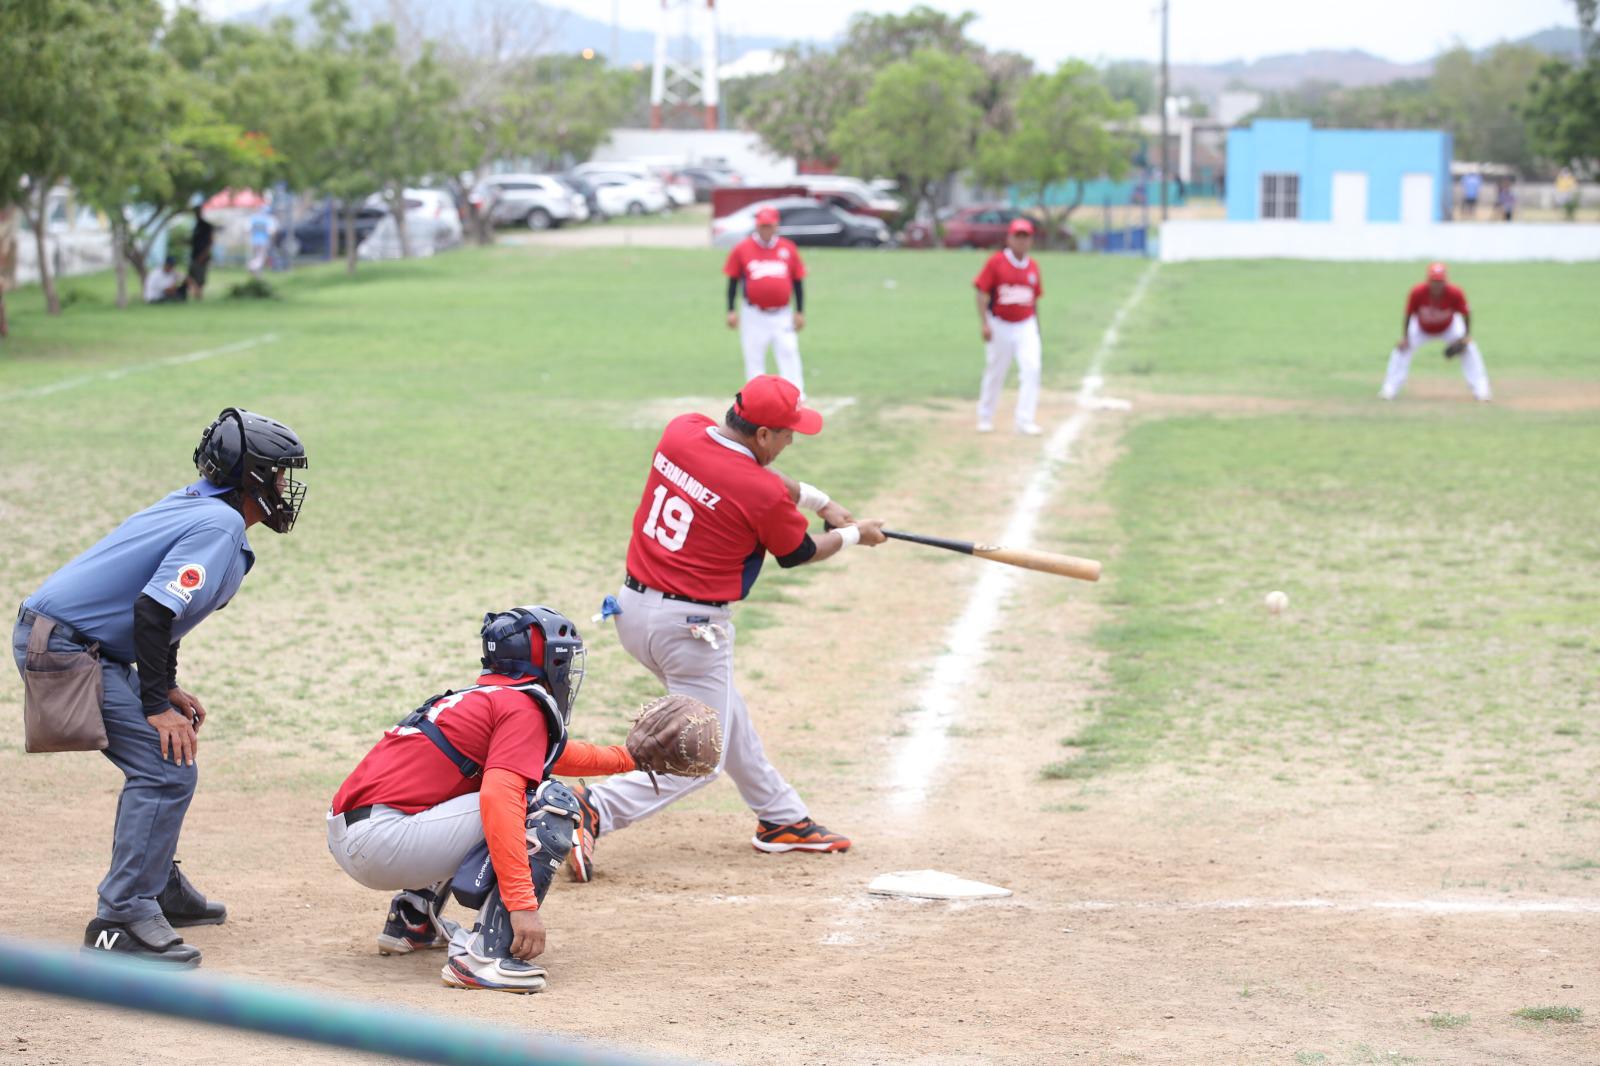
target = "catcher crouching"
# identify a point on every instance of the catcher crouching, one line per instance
(458, 798)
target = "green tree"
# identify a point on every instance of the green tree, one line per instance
(1131, 80)
(1482, 97)
(78, 77)
(917, 125)
(1066, 131)
(1563, 109)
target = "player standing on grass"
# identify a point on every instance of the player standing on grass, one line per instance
(1437, 311)
(713, 507)
(768, 268)
(1008, 293)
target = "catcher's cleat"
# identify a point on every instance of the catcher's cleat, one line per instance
(580, 860)
(144, 938)
(804, 835)
(184, 905)
(500, 975)
(410, 926)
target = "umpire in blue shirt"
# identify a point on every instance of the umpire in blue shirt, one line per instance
(135, 596)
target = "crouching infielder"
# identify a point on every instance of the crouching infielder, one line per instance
(1437, 311)
(459, 796)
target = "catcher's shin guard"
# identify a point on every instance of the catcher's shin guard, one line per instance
(486, 962)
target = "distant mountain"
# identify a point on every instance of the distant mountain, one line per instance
(1563, 41)
(554, 29)
(1269, 73)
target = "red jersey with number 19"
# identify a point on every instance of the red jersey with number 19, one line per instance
(709, 515)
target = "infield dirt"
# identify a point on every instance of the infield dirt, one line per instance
(1159, 915)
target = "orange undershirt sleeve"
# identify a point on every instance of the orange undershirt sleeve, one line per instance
(583, 759)
(504, 810)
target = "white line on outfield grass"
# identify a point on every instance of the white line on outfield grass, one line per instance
(123, 371)
(920, 758)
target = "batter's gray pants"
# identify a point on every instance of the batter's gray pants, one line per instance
(660, 633)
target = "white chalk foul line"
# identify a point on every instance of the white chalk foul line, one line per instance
(121, 372)
(920, 757)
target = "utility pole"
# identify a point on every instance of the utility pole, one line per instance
(1165, 169)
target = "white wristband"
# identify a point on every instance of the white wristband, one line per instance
(811, 498)
(849, 534)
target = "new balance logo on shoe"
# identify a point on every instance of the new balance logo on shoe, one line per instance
(107, 940)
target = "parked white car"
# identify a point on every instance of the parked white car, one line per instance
(432, 225)
(877, 200)
(624, 194)
(538, 201)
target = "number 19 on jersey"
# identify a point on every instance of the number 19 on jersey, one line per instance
(669, 519)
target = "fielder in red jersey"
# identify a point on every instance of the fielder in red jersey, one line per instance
(769, 269)
(1008, 291)
(1437, 311)
(712, 509)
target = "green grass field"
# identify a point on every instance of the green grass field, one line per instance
(1420, 721)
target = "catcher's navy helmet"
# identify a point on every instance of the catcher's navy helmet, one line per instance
(555, 656)
(256, 455)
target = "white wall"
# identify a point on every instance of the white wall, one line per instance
(742, 151)
(1481, 243)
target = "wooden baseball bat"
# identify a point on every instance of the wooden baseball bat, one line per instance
(1046, 562)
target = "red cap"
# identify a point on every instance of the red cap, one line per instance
(1020, 225)
(771, 401)
(1436, 272)
(767, 216)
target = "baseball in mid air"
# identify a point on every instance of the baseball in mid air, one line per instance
(1277, 601)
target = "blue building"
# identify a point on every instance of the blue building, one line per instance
(1284, 169)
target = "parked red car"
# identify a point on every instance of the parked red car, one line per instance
(972, 226)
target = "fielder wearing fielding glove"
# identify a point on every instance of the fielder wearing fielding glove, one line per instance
(712, 509)
(1437, 311)
(458, 799)
(97, 646)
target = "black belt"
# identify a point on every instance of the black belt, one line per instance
(639, 586)
(28, 617)
(356, 814)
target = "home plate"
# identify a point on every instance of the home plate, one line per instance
(933, 884)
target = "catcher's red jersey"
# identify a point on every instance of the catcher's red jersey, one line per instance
(1435, 315)
(709, 515)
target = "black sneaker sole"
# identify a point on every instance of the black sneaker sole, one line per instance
(144, 956)
(185, 923)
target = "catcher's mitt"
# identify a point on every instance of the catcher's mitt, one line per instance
(676, 735)
(1454, 348)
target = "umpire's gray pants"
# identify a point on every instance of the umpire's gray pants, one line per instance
(393, 850)
(660, 633)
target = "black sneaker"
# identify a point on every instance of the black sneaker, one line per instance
(411, 924)
(146, 938)
(183, 904)
(804, 835)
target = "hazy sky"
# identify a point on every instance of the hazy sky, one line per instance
(1203, 31)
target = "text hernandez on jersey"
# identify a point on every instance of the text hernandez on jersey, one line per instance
(709, 515)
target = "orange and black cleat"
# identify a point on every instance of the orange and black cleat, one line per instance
(804, 835)
(580, 860)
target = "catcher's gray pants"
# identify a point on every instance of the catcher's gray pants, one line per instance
(670, 638)
(1472, 367)
(393, 850)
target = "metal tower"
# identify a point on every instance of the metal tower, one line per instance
(677, 82)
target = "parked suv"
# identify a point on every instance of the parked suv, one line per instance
(538, 201)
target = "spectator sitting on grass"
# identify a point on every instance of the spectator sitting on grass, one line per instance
(163, 286)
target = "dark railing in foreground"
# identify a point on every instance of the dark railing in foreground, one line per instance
(201, 996)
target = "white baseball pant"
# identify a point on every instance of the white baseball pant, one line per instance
(670, 638)
(1472, 367)
(760, 329)
(1011, 340)
(393, 850)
